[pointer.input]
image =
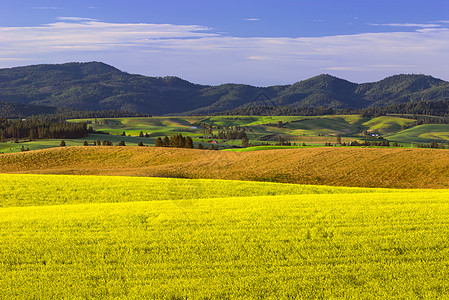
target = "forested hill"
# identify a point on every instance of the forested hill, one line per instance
(97, 86)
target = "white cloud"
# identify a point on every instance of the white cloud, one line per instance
(260, 57)
(90, 34)
(408, 25)
(201, 55)
(76, 19)
(8, 59)
(252, 19)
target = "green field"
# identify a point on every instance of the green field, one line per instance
(423, 134)
(261, 130)
(120, 237)
(387, 124)
(154, 126)
(313, 130)
(10, 147)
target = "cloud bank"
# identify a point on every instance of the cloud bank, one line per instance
(199, 54)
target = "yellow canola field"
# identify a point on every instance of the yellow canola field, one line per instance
(354, 243)
(33, 190)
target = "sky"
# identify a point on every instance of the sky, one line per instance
(213, 42)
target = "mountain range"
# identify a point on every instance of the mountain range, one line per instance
(98, 86)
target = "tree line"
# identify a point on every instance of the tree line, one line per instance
(430, 108)
(67, 113)
(176, 141)
(433, 145)
(267, 110)
(233, 134)
(18, 111)
(179, 141)
(37, 128)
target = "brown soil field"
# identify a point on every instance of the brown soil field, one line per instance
(361, 167)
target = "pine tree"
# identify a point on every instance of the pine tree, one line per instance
(32, 134)
(245, 142)
(166, 141)
(189, 142)
(159, 142)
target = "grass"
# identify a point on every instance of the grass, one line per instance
(329, 125)
(376, 244)
(423, 134)
(387, 124)
(10, 147)
(154, 126)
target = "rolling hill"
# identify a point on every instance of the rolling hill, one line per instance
(98, 86)
(357, 167)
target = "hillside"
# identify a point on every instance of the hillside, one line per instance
(97, 86)
(94, 86)
(404, 88)
(362, 167)
(15, 110)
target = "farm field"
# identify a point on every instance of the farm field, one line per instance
(423, 134)
(18, 190)
(10, 147)
(315, 130)
(335, 166)
(121, 238)
(311, 131)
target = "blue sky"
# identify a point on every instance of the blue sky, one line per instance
(213, 42)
